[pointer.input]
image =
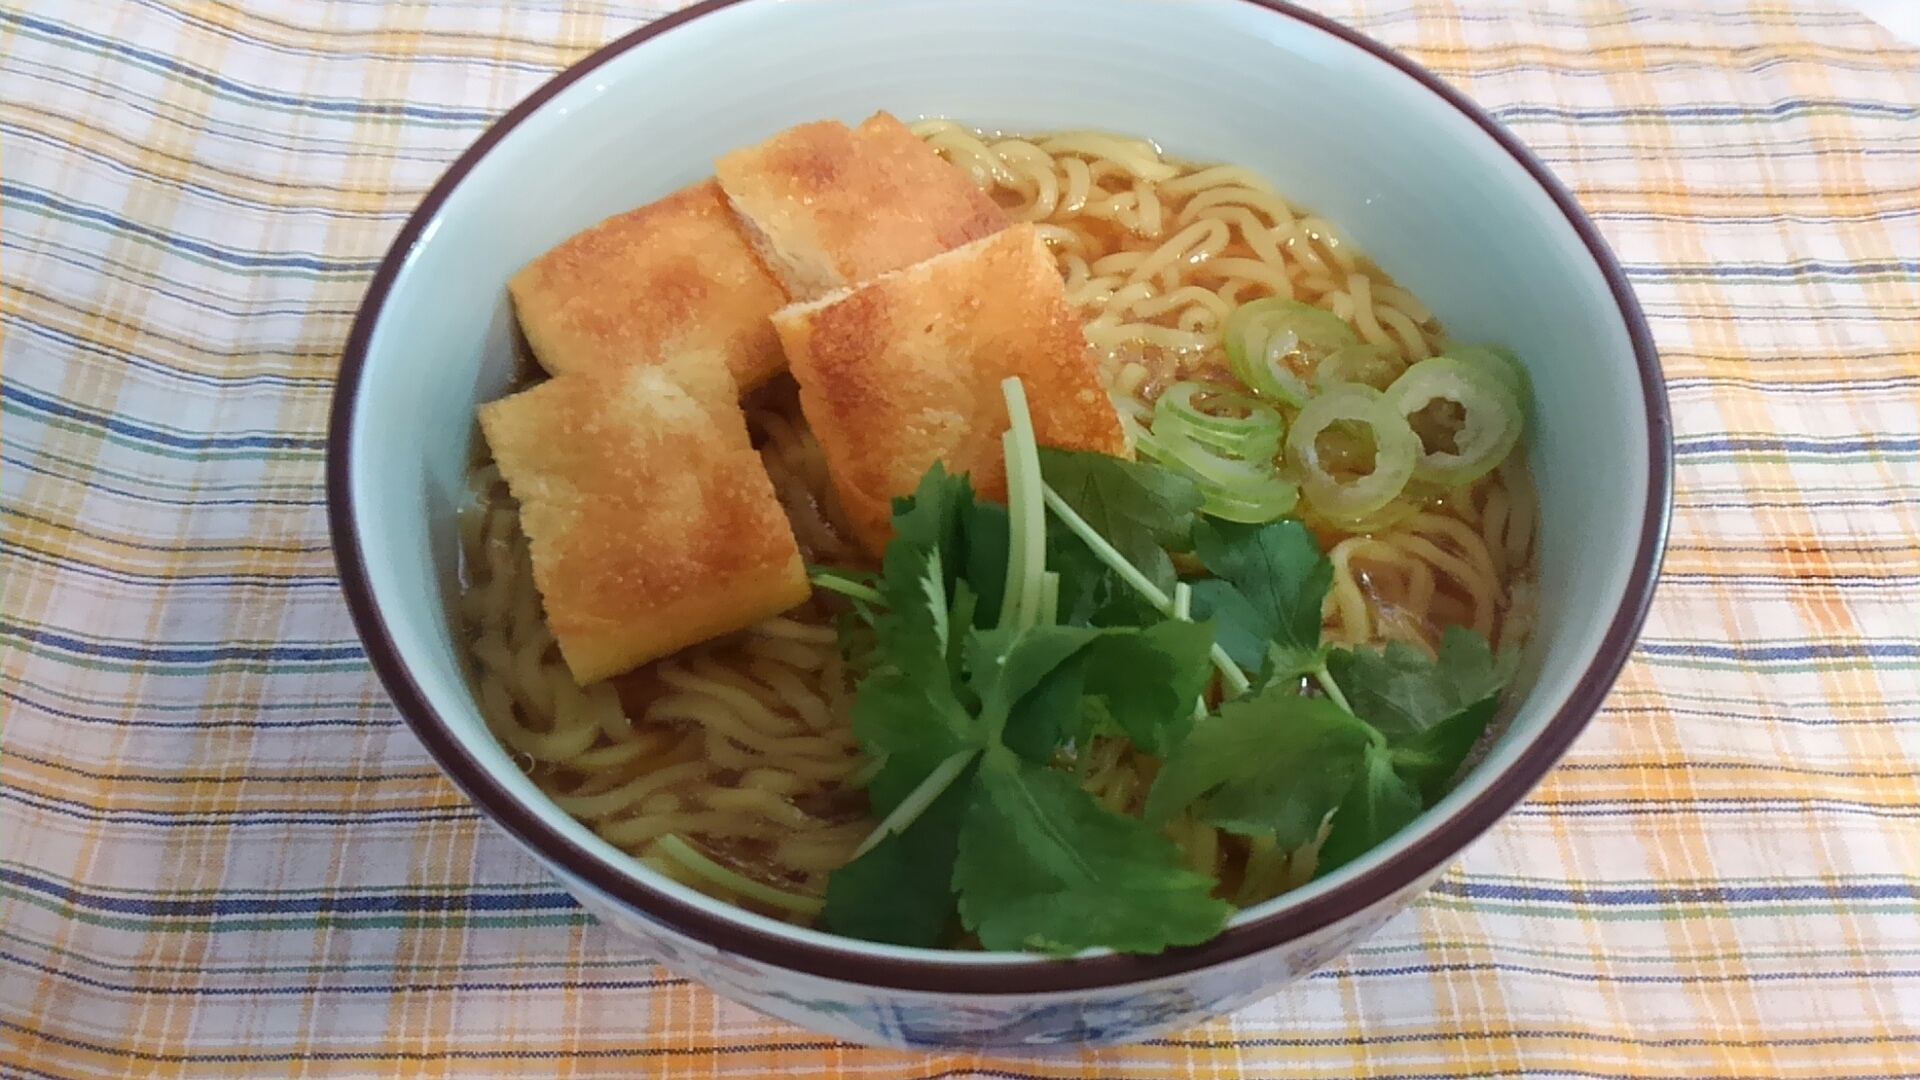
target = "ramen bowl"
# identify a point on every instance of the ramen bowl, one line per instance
(1439, 194)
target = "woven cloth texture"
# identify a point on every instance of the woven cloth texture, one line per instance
(222, 854)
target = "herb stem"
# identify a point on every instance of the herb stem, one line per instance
(835, 583)
(1235, 678)
(1183, 610)
(917, 801)
(1026, 515)
(1325, 678)
(866, 771)
(1105, 551)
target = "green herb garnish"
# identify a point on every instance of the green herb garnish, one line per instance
(1143, 510)
(1273, 764)
(1269, 582)
(1043, 866)
(999, 649)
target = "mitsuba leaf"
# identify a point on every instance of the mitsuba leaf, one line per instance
(1143, 510)
(1149, 679)
(854, 637)
(1028, 683)
(942, 575)
(1272, 763)
(1401, 692)
(930, 519)
(1016, 850)
(1430, 759)
(971, 538)
(1038, 722)
(1091, 594)
(1145, 680)
(986, 540)
(1043, 866)
(1239, 628)
(1378, 805)
(906, 710)
(901, 892)
(912, 724)
(1268, 585)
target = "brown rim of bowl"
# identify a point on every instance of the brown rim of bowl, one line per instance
(1017, 977)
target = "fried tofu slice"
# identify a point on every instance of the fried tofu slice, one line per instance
(652, 521)
(674, 278)
(828, 206)
(906, 370)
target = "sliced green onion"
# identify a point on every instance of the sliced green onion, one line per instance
(1397, 509)
(1395, 447)
(1206, 414)
(739, 884)
(1255, 504)
(1499, 362)
(1274, 345)
(1244, 491)
(1368, 365)
(1490, 424)
(1270, 503)
(1172, 446)
(1230, 458)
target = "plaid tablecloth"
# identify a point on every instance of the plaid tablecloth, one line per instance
(222, 854)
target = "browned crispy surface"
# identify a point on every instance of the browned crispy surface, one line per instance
(830, 206)
(652, 521)
(906, 370)
(674, 278)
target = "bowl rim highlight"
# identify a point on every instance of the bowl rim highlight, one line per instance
(1401, 867)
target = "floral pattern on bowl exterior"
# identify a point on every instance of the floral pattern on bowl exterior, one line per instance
(920, 1020)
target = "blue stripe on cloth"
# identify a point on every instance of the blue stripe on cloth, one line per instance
(149, 433)
(1783, 109)
(158, 62)
(476, 898)
(194, 653)
(28, 197)
(1853, 650)
(250, 716)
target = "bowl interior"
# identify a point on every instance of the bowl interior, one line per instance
(1419, 185)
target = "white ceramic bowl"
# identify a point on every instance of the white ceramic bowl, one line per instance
(1442, 197)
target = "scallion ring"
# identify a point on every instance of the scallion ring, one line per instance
(1218, 417)
(1396, 510)
(1497, 361)
(1275, 345)
(1368, 365)
(1256, 503)
(1242, 491)
(1229, 457)
(1489, 421)
(1395, 447)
